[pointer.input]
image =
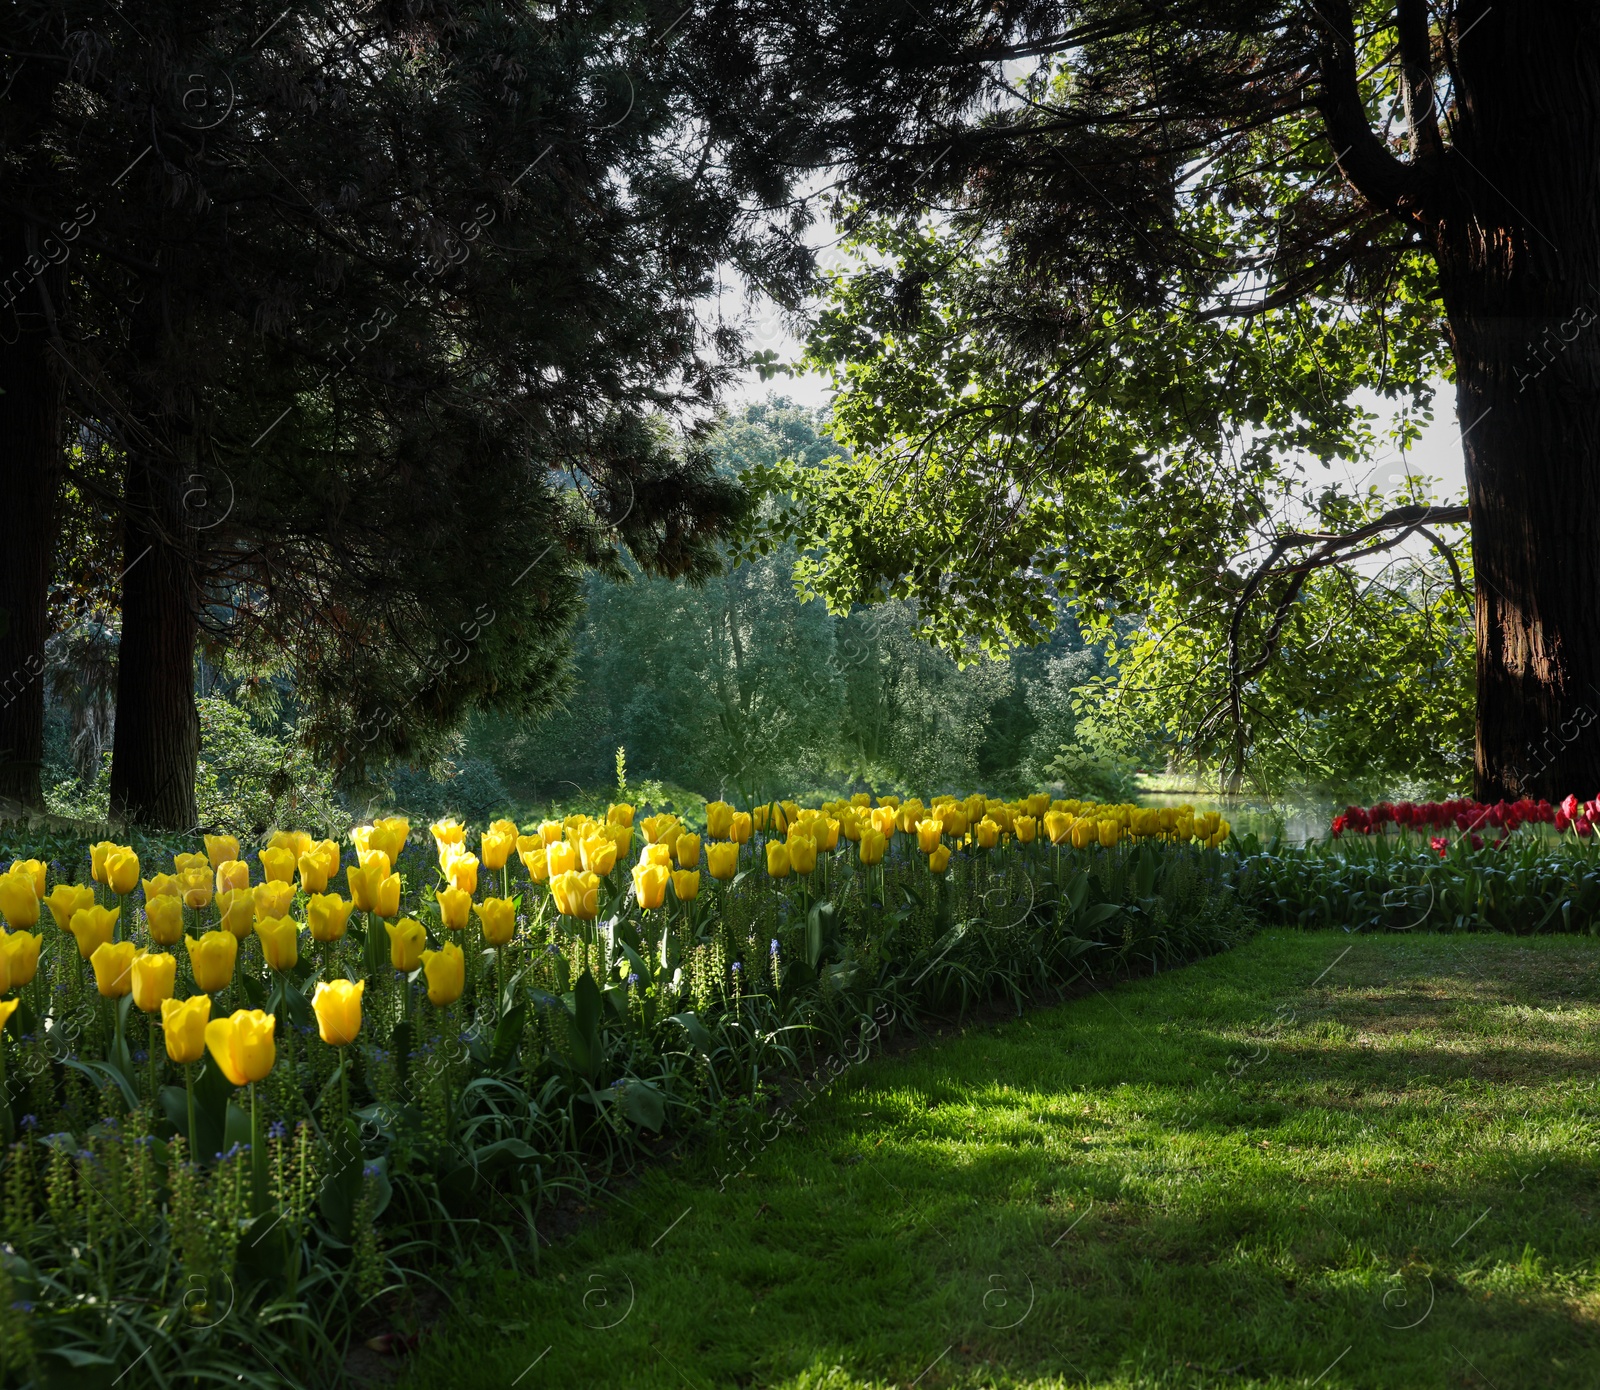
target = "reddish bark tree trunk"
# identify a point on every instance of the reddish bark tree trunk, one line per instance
(1519, 264)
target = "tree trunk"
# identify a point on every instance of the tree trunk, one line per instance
(157, 738)
(1520, 272)
(30, 479)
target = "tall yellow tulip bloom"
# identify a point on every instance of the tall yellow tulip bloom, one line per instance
(277, 865)
(455, 907)
(19, 903)
(243, 1045)
(446, 973)
(20, 953)
(687, 851)
(650, 885)
(874, 844)
(328, 915)
(337, 1005)
(577, 895)
(498, 917)
(719, 820)
(407, 937)
(273, 899)
(154, 973)
(237, 910)
(778, 864)
(722, 859)
(93, 927)
(686, 884)
(122, 870)
(280, 942)
(164, 917)
(233, 874)
(212, 958)
(184, 1027)
(66, 899)
(34, 869)
(112, 962)
(221, 849)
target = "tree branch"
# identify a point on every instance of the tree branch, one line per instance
(1366, 163)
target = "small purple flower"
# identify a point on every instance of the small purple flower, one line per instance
(369, 1170)
(633, 977)
(30, 1122)
(772, 950)
(736, 967)
(277, 1130)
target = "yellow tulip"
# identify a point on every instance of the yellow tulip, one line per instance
(211, 959)
(277, 865)
(778, 865)
(1110, 833)
(686, 884)
(829, 837)
(802, 854)
(93, 927)
(327, 914)
(448, 832)
(687, 850)
(243, 1045)
(851, 827)
(112, 962)
(561, 857)
(722, 859)
(455, 907)
(97, 859)
(375, 891)
(406, 940)
(19, 903)
(221, 849)
(719, 820)
(122, 870)
(577, 895)
(874, 844)
(462, 872)
(68, 898)
(195, 887)
(162, 885)
(939, 860)
(34, 870)
(535, 859)
(622, 837)
(187, 863)
(20, 953)
(620, 814)
(1058, 826)
(650, 884)
(297, 842)
(164, 917)
(497, 843)
(987, 833)
(280, 942)
(446, 972)
(274, 898)
(1026, 829)
(656, 854)
(184, 1028)
(498, 917)
(661, 829)
(550, 831)
(390, 835)
(314, 873)
(237, 910)
(598, 854)
(233, 874)
(337, 1005)
(928, 833)
(741, 827)
(758, 817)
(154, 973)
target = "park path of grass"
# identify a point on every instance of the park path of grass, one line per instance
(1318, 1160)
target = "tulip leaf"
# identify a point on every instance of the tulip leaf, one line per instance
(508, 1036)
(586, 1005)
(644, 1104)
(264, 1246)
(690, 1023)
(236, 1127)
(341, 1184)
(299, 1006)
(101, 1074)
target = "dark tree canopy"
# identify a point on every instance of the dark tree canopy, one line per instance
(370, 328)
(1131, 255)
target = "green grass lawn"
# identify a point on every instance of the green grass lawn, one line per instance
(1319, 1160)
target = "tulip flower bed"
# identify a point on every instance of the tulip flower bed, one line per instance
(247, 1104)
(1523, 867)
